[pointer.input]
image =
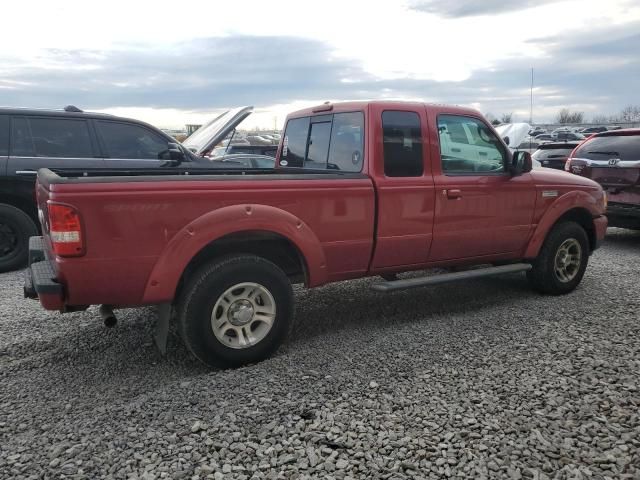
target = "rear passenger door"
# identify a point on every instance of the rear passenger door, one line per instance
(129, 145)
(404, 187)
(50, 142)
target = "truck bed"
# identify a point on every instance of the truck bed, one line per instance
(136, 220)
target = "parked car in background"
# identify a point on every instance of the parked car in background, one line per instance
(70, 138)
(554, 154)
(568, 136)
(361, 189)
(545, 137)
(591, 130)
(612, 159)
(536, 131)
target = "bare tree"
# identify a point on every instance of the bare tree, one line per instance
(567, 116)
(630, 113)
(506, 117)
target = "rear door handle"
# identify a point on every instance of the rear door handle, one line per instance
(453, 194)
(27, 172)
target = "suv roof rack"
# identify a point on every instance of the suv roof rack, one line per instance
(72, 108)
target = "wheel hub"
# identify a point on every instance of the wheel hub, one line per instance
(240, 313)
(567, 260)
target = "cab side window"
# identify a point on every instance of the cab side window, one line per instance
(469, 147)
(402, 141)
(123, 140)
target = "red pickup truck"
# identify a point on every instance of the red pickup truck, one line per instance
(359, 189)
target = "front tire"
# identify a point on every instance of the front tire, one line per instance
(15, 229)
(235, 310)
(562, 260)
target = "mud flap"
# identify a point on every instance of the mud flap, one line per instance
(162, 327)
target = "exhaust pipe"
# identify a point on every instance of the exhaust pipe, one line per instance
(108, 317)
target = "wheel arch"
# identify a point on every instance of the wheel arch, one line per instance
(21, 203)
(262, 230)
(580, 214)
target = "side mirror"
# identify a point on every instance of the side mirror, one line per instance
(521, 162)
(506, 140)
(175, 152)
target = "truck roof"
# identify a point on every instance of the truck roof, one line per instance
(329, 107)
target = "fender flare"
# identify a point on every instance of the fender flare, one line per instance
(190, 240)
(563, 204)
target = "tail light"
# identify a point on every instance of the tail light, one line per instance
(567, 164)
(65, 230)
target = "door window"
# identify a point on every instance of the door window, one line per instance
(125, 140)
(478, 152)
(402, 141)
(4, 135)
(21, 141)
(61, 137)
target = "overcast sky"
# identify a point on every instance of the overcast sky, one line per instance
(177, 62)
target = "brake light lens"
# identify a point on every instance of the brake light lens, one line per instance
(65, 230)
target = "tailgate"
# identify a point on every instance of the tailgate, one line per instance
(615, 174)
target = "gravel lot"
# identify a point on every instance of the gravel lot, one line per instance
(483, 379)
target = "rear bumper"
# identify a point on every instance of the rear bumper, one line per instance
(40, 277)
(600, 224)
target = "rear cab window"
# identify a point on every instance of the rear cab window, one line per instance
(325, 142)
(622, 147)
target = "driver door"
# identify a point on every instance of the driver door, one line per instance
(481, 210)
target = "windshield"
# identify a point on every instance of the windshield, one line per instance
(624, 147)
(198, 140)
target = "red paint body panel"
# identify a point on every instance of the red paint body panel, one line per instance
(140, 235)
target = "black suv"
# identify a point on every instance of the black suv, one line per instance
(69, 138)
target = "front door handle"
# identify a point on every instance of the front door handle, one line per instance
(454, 193)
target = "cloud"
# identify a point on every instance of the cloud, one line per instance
(595, 72)
(471, 8)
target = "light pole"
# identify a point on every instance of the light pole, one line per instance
(531, 105)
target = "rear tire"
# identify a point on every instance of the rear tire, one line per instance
(562, 260)
(15, 229)
(235, 310)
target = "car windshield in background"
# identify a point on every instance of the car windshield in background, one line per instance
(624, 147)
(334, 142)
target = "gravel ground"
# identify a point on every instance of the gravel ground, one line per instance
(483, 379)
